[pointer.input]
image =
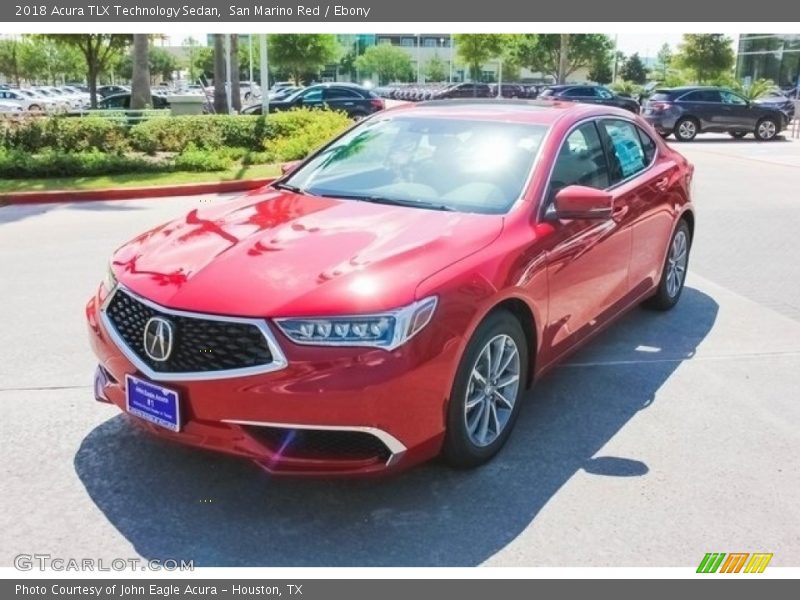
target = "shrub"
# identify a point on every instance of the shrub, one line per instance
(54, 163)
(173, 134)
(68, 134)
(294, 134)
(195, 159)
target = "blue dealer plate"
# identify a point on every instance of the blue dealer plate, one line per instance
(153, 403)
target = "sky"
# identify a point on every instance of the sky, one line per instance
(647, 45)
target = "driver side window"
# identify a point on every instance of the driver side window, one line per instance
(731, 98)
(581, 161)
(313, 95)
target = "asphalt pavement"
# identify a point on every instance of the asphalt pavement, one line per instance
(670, 436)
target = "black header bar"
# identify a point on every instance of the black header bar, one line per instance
(378, 11)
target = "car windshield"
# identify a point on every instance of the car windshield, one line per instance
(434, 163)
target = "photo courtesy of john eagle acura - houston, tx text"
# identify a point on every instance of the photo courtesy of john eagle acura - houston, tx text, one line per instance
(394, 296)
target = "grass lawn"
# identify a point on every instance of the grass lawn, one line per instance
(135, 179)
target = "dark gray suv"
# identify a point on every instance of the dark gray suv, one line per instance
(687, 111)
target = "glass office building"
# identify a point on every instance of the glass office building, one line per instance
(769, 56)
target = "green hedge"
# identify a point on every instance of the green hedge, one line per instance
(16, 164)
(65, 134)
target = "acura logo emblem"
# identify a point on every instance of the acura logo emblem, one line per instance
(158, 338)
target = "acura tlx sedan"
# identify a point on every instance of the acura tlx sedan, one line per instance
(393, 297)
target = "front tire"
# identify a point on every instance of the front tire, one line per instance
(487, 392)
(766, 129)
(686, 129)
(673, 275)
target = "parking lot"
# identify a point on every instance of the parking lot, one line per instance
(670, 436)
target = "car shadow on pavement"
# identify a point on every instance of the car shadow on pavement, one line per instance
(173, 502)
(19, 212)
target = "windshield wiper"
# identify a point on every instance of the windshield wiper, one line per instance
(289, 187)
(393, 201)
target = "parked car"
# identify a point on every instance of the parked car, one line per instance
(123, 102)
(9, 107)
(465, 90)
(687, 111)
(591, 94)
(395, 295)
(28, 101)
(355, 100)
(109, 90)
(508, 90)
(777, 99)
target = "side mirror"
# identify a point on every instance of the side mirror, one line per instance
(290, 166)
(580, 202)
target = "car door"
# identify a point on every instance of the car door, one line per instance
(705, 105)
(642, 182)
(311, 98)
(339, 98)
(587, 264)
(737, 112)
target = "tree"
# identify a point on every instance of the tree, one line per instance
(664, 59)
(140, 82)
(601, 71)
(302, 52)
(236, 93)
(220, 75)
(634, 69)
(475, 49)
(435, 69)
(98, 50)
(542, 52)
(388, 62)
(9, 59)
(163, 64)
(708, 55)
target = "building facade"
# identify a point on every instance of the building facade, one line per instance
(769, 56)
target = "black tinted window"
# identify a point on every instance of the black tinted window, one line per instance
(581, 161)
(702, 96)
(648, 145)
(627, 156)
(577, 92)
(341, 94)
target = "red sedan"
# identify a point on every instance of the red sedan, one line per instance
(394, 296)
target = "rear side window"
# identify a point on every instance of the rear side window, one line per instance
(626, 155)
(336, 93)
(577, 92)
(546, 93)
(581, 161)
(648, 146)
(660, 97)
(702, 96)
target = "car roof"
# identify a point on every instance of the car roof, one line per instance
(519, 111)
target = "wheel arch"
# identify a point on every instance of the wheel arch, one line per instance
(521, 311)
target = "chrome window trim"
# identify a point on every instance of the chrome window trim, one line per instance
(278, 358)
(543, 211)
(395, 446)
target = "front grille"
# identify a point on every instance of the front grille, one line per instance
(201, 344)
(320, 443)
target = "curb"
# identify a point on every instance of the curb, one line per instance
(155, 191)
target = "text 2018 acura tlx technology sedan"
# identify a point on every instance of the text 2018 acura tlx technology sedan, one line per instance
(394, 296)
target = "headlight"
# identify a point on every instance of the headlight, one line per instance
(110, 280)
(386, 330)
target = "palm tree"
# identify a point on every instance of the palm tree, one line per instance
(140, 83)
(236, 94)
(563, 58)
(220, 96)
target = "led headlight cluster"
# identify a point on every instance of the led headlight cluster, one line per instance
(110, 280)
(386, 330)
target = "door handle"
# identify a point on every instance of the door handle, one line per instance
(662, 184)
(619, 211)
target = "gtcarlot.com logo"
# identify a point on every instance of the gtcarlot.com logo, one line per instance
(734, 562)
(43, 562)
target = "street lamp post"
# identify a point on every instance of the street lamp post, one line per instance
(264, 75)
(452, 46)
(419, 71)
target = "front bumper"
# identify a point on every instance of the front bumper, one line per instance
(329, 411)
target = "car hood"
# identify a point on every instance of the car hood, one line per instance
(276, 253)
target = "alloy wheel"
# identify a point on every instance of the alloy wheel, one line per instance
(687, 130)
(767, 129)
(492, 390)
(676, 263)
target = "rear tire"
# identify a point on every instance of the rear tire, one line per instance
(686, 129)
(673, 273)
(487, 392)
